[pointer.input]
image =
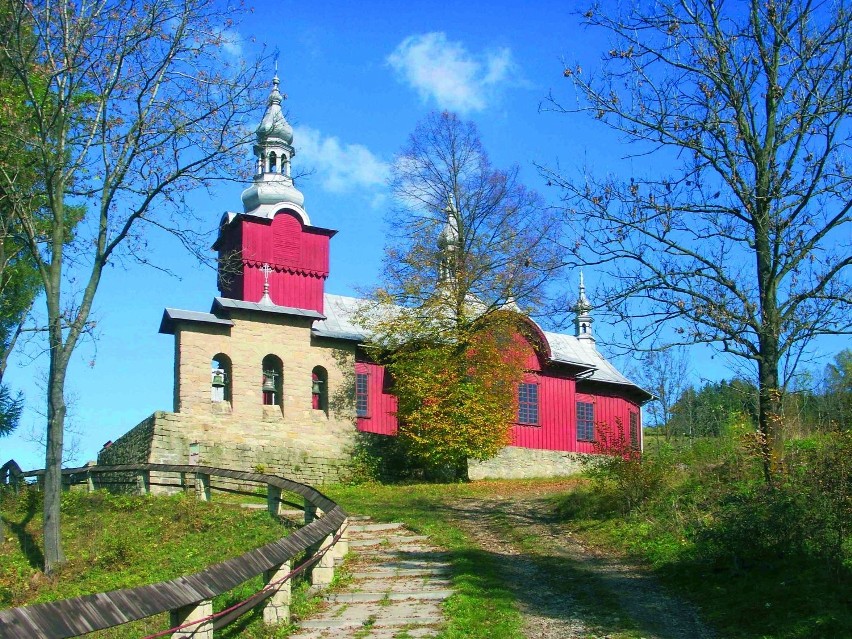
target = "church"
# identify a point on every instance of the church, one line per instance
(273, 377)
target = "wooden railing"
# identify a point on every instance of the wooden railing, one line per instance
(188, 599)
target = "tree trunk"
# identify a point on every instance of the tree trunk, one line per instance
(769, 410)
(54, 557)
(462, 470)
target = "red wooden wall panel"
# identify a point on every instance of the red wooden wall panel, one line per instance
(556, 427)
(299, 256)
(382, 405)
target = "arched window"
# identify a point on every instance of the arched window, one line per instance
(319, 388)
(220, 378)
(272, 381)
(273, 163)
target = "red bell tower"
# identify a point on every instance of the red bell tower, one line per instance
(273, 242)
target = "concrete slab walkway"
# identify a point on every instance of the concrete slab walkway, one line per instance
(399, 582)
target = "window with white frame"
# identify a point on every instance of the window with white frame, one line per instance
(528, 404)
(362, 394)
(585, 422)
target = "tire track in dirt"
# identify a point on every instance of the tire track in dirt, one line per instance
(566, 590)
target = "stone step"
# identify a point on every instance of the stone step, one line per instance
(424, 594)
(396, 563)
(409, 631)
(390, 539)
(401, 585)
(388, 573)
(379, 614)
(373, 527)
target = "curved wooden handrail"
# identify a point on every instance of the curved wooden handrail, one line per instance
(80, 615)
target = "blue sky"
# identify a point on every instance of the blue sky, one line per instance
(359, 76)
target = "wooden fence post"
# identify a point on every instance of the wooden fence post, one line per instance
(202, 486)
(273, 500)
(143, 481)
(277, 607)
(200, 610)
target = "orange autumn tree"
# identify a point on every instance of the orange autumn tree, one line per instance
(469, 247)
(458, 399)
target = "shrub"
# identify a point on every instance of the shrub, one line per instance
(623, 472)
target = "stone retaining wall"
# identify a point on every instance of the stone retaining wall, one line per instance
(526, 463)
(313, 454)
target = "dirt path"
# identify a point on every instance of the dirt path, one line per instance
(565, 589)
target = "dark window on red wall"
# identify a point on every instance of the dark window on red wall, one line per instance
(635, 438)
(528, 404)
(362, 395)
(585, 422)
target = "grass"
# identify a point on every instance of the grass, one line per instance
(755, 560)
(122, 541)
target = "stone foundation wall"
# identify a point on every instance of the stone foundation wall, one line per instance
(313, 453)
(514, 462)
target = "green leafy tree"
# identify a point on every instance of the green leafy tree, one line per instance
(141, 104)
(19, 281)
(838, 389)
(711, 410)
(458, 398)
(745, 241)
(469, 243)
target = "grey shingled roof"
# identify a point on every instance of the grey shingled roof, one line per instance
(565, 349)
(339, 311)
(227, 303)
(173, 315)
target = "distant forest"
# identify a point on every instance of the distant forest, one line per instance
(817, 402)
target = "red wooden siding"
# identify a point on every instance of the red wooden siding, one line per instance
(298, 254)
(556, 427)
(381, 417)
(609, 409)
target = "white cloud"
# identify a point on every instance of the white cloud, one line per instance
(340, 167)
(231, 42)
(448, 73)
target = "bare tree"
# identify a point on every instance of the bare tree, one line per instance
(462, 228)
(134, 105)
(665, 374)
(745, 241)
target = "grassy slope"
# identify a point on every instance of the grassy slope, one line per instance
(120, 541)
(708, 533)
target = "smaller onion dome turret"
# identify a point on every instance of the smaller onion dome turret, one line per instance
(448, 241)
(583, 318)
